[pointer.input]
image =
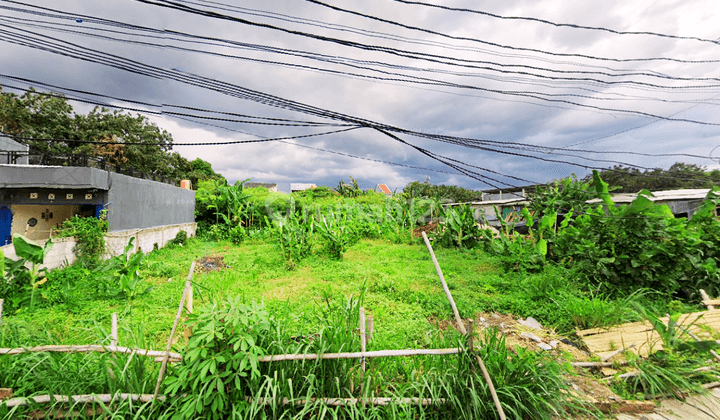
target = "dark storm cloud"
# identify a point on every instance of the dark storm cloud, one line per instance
(430, 108)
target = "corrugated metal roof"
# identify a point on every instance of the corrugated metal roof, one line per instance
(301, 187)
(384, 189)
(267, 185)
(516, 200)
(672, 195)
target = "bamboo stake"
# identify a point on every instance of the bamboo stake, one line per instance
(462, 329)
(336, 402)
(90, 398)
(363, 348)
(355, 355)
(144, 398)
(696, 338)
(176, 357)
(471, 344)
(189, 308)
(598, 364)
(370, 327)
(87, 348)
(616, 352)
(363, 342)
(460, 324)
(114, 330)
(188, 285)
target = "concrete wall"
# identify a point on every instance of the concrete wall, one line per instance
(61, 254)
(9, 145)
(135, 203)
(146, 239)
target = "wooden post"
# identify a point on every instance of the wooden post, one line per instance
(703, 294)
(363, 349)
(363, 339)
(460, 324)
(471, 345)
(370, 327)
(188, 286)
(462, 329)
(114, 330)
(189, 308)
(1, 309)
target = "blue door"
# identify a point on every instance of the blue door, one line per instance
(5, 226)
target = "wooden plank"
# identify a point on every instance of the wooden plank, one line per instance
(708, 318)
(710, 303)
(604, 342)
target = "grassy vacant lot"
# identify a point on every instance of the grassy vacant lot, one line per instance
(403, 292)
(397, 284)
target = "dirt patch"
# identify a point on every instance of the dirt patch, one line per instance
(210, 263)
(417, 232)
(520, 333)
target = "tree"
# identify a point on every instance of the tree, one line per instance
(49, 125)
(417, 189)
(626, 179)
(36, 115)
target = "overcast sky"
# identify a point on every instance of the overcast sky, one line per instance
(535, 101)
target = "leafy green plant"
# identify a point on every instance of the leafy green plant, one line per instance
(124, 271)
(459, 229)
(180, 239)
(294, 239)
(220, 365)
(90, 235)
(18, 282)
(337, 232)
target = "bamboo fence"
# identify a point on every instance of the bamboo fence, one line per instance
(164, 357)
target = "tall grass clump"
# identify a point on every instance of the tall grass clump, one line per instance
(66, 374)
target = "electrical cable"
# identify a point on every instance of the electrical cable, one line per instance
(567, 25)
(126, 64)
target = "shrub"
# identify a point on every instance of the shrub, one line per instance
(90, 235)
(220, 363)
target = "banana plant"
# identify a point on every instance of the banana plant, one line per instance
(24, 273)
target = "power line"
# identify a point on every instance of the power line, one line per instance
(144, 69)
(560, 25)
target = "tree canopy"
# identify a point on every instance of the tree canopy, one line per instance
(627, 179)
(417, 189)
(49, 125)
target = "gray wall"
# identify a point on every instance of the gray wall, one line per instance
(135, 203)
(7, 144)
(33, 176)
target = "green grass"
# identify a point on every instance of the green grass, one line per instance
(403, 291)
(399, 288)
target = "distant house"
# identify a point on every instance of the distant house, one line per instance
(383, 189)
(294, 187)
(270, 186)
(484, 211)
(683, 203)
